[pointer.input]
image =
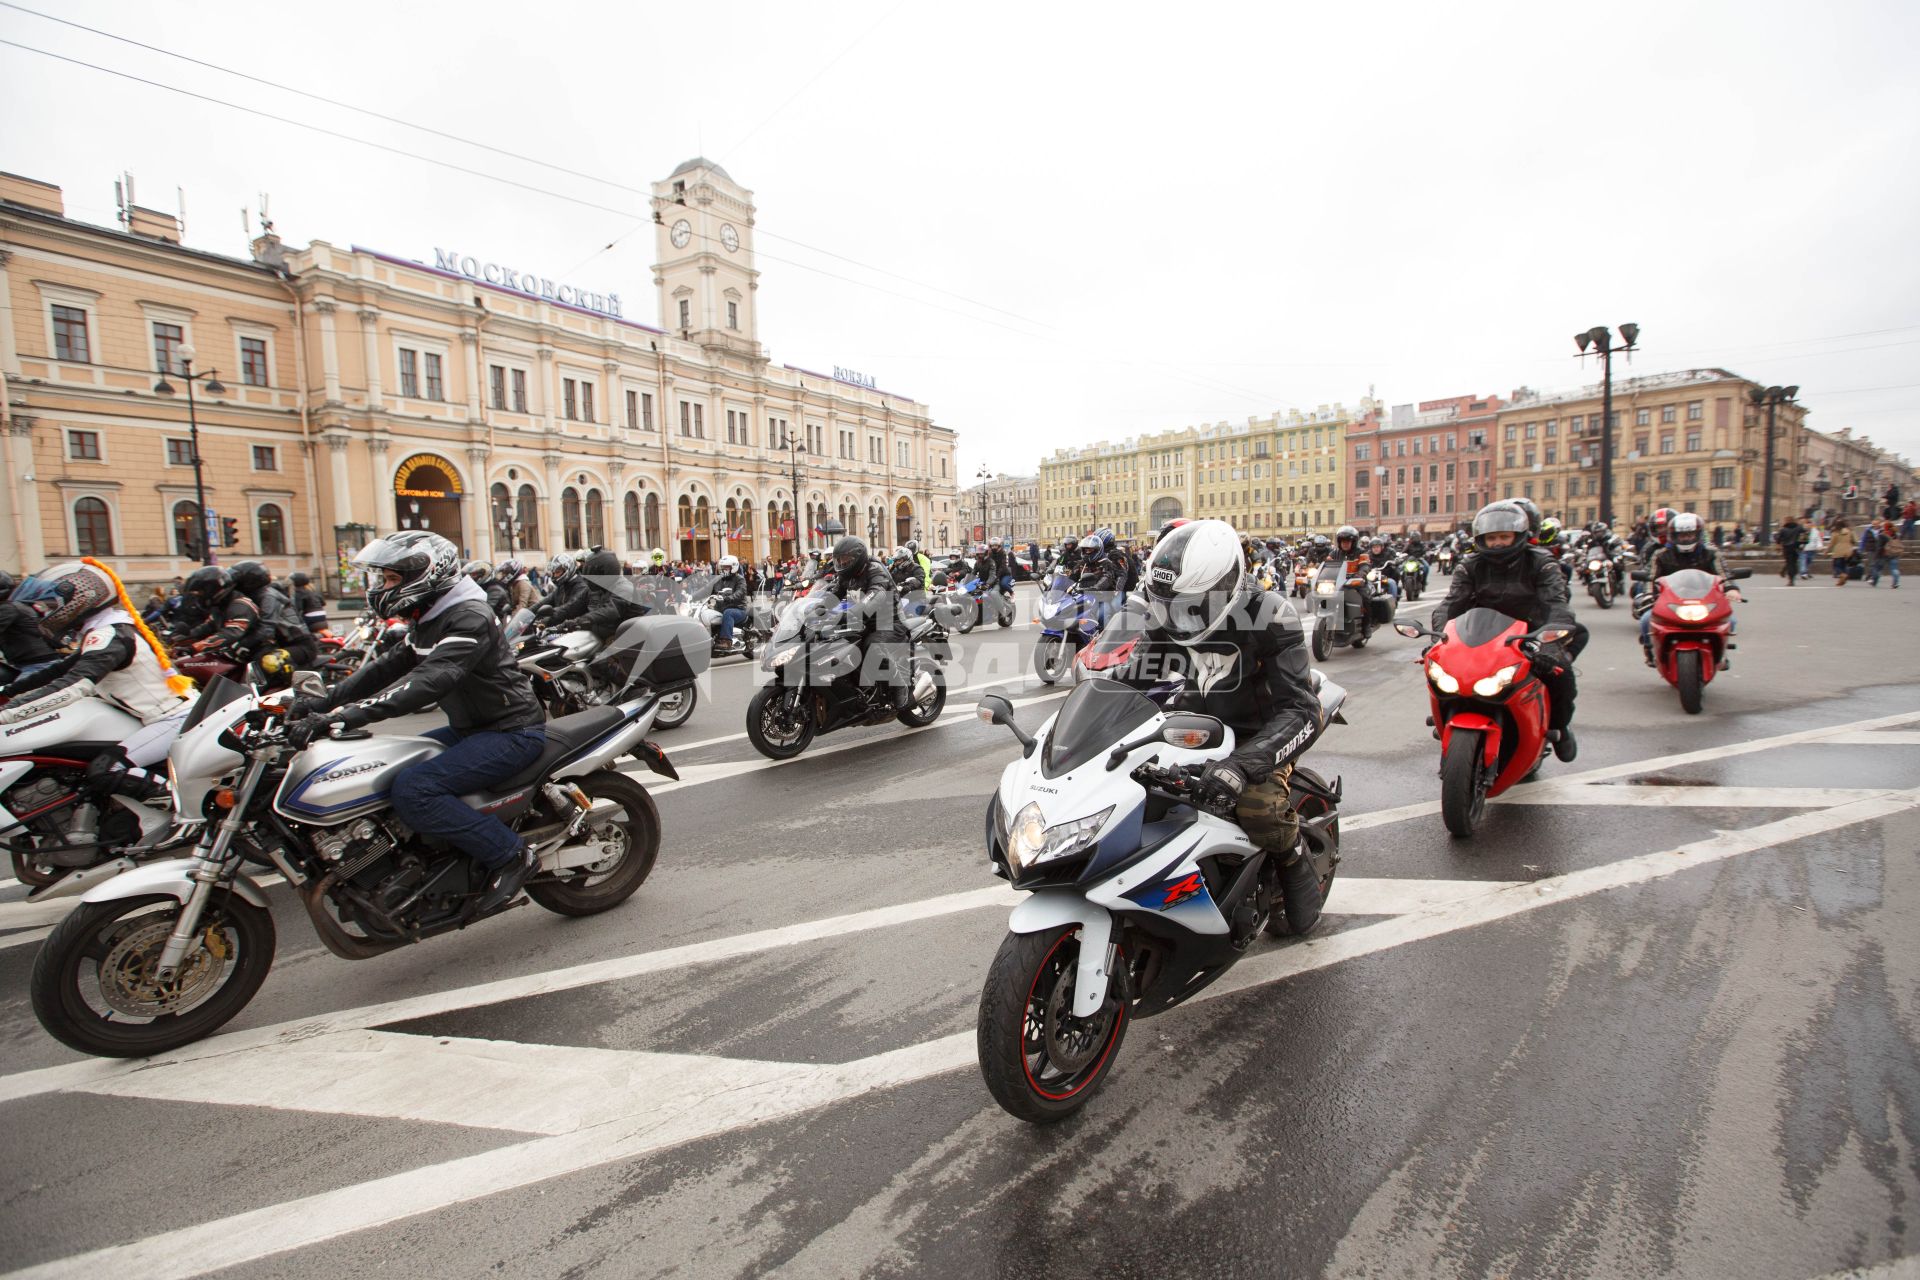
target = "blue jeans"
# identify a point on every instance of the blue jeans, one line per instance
(1882, 564)
(1806, 563)
(427, 795)
(729, 619)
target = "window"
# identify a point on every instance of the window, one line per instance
(570, 517)
(253, 361)
(179, 452)
(733, 426)
(1642, 417)
(1513, 432)
(596, 519)
(569, 399)
(497, 386)
(1416, 446)
(1640, 482)
(692, 421)
(70, 334)
(630, 518)
(271, 527)
(646, 411)
(1693, 479)
(83, 446)
(1529, 457)
(586, 402)
(1722, 477)
(1695, 410)
(1668, 413)
(1449, 471)
(1509, 460)
(409, 372)
(1693, 441)
(167, 341)
(1720, 509)
(528, 504)
(1553, 427)
(1550, 452)
(519, 390)
(1640, 444)
(1361, 452)
(186, 530)
(686, 314)
(92, 528)
(733, 314)
(266, 457)
(1666, 442)
(1533, 429)
(633, 410)
(1400, 475)
(905, 449)
(1473, 468)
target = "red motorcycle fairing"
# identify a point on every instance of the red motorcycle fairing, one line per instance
(1672, 635)
(1513, 721)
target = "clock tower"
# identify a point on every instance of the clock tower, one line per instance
(703, 245)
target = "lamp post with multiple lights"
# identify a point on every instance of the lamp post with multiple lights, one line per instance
(214, 388)
(1603, 345)
(1772, 398)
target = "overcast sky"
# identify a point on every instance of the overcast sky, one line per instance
(1058, 224)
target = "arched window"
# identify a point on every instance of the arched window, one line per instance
(630, 518)
(682, 527)
(596, 520)
(500, 511)
(92, 528)
(653, 538)
(570, 518)
(186, 530)
(529, 514)
(271, 526)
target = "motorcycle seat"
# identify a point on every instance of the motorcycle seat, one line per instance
(565, 735)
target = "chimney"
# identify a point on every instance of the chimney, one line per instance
(32, 194)
(153, 224)
(269, 252)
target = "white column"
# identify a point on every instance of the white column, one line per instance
(329, 348)
(342, 488)
(383, 519)
(479, 503)
(370, 346)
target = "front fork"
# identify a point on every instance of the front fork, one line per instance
(209, 869)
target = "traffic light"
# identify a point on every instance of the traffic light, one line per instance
(229, 531)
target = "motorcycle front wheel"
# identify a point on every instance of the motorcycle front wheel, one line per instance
(1040, 1063)
(778, 728)
(1688, 680)
(1463, 794)
(1602, 594)
(623, 815)
(1322, 641)
(94, 988)
(1052, 659)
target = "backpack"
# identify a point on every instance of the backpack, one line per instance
(277, 613)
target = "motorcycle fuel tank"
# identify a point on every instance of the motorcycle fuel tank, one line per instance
(88, 720)
(332, 781)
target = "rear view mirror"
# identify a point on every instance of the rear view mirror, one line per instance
(1638, 575)
(1192, 732)
(994, 708)
(310, 684)
(1741, 573)
(1411, 630)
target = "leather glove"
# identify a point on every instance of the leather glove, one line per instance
(302, 732)
(303, 706)
(1219, 786)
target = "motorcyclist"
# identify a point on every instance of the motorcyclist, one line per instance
(482, 574)
(926, 565)
(1687, 548)
(458, 660)
(23, 645)
(1068, 561)
(308, 603)
(1509, 575)
(605, 599)
(1243, 656)
(1388, 564)
(117, 660)
(1346, 543)
(730, 597)
(873, 618)
(235, 628)
(1002, 576)
(294, 641)
(1416, 545)
(568, 587)
(521, 593)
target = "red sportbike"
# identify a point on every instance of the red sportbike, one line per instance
(1490, 711)
(1692, 630)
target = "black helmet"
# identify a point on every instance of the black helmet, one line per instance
(211, 584)
(601, 564)
(426, 564)
(1501, 517)
(299, 579)
(1344, 532)
(913, 546)
(250, 576)
(850, 555)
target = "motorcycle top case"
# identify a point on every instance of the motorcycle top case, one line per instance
(662, 650)
(1382, 609)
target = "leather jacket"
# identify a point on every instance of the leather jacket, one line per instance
(872, 599)
(729, 591)
(1530, 587)
(458, 659)
(1671, 559)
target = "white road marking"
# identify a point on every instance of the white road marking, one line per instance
(730, 1106)
(1882, 739)
(1687, 797)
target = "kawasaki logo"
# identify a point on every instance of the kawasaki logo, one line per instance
(33, 724)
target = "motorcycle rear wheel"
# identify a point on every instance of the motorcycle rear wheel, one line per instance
(785, 742)
(677, 708)
(1687, 679)
(108, 946)
(1463, 798)
(920, 715)
(588, 891)
(1039, 1062)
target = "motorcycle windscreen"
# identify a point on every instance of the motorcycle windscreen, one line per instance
(218, 693)
(1690, 584)
(1097, 716)
(1483, 626)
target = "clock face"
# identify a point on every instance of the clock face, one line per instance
(682, 232)
(729, 237)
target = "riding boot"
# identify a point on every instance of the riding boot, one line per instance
(1300, 891)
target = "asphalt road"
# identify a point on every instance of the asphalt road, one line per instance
(1661, 1017)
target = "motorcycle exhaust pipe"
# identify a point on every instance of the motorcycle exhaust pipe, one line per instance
(922, 685)
(78, 882)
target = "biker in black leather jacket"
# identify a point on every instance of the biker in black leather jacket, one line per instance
(873, 617)
(607, 598)
(1509, 575)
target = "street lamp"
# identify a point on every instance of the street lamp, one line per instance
(1603, 345)
(214, 388)
(794, 449)
(1772, 398)
(983, 475)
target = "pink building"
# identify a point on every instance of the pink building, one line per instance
(1427, 466)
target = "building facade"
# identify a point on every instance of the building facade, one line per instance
(1281, 474)
(1691, 440)
(1844, 475)
(1420, 468)
(512, 414)
(1005, 506)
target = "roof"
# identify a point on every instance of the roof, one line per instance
(700, 162)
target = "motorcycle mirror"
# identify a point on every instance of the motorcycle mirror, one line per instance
(1192, 731)
(1638, 577)
(1741, 573)
(1411, 630)
(994, 708)
(309, 683)
(1553, 634)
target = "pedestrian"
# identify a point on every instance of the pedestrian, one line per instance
(1719, 535)
(1791, 538)
(1909, 518)
(1815, 544)
(1890, 503)
(1840, 542)
(1888, 559)
(1739, 534)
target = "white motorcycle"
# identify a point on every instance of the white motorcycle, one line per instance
(568, 677)
(164, 954)
(1140, 898)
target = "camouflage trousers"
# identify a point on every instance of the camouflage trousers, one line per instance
(1266, 813)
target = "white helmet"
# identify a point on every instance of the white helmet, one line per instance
(729, 564)
(1195, 577)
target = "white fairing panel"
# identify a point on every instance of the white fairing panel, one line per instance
(88, 720)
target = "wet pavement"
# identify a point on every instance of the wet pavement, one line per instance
(1660, 1017)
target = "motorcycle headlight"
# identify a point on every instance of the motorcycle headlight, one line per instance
(1595, 566)
(1030, 841)
(1497, 681)
(1326, 588)
(1442, 680)
(782, 659)
(1693, 612)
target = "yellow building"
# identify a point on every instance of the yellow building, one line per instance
(1691, 440)
(366, 392)
(1281, 474)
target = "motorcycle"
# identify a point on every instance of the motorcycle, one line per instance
(1413, 576)
(817, 686)
(1443, 560)
(1140, 897)
(1601, 573)
(570, 674)
(985, 600)
(1303, 575)
(1346, 607)
(1069, 619)
(1692, 630)
(747, 634)
(1490, 708)
(163, 955)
